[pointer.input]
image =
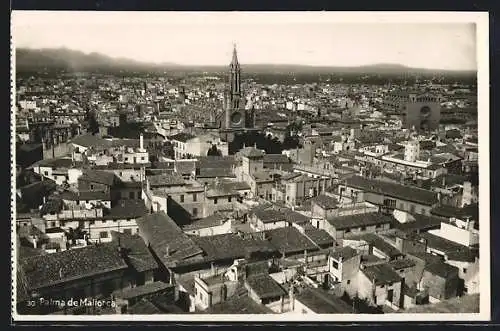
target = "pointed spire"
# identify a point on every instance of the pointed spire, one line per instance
(234, 61)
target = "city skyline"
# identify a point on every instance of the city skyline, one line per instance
(261, 38)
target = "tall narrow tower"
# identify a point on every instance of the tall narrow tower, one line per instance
(235, 116)
(235, 81)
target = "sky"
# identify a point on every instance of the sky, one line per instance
(417, 40)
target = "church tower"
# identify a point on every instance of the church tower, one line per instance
(234, 105)
(235, 81)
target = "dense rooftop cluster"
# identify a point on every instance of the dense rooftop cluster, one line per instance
(339, 198)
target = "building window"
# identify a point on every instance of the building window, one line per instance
(382, 286)
(215, 201)
(229, 199)
(182, 197)
(464, 270)
(46, 173)
(91, 222)
(91, 186)
(127, 231)
(412, 208)
(142, 158)
(103, 234)
(126, 159)
(335, 264)
(195, 197)
(53, 224)
(391, 203)
(348, 281)
(195, 212)
(131, 195)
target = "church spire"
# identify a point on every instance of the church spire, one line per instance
(235, 80)
(234, 61)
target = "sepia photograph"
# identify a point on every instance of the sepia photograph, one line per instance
(250, 166)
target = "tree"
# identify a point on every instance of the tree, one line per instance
(213, 151)
(93, 125)
(168, 150)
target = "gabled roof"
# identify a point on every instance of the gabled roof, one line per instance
(251, 152)
(85, 195)
(295, 217)
(137, 253)
(98, 176)
(346, 253)
(359, 220)
(319, 236)
(421, 223)
(276, 158)
(290, 240)
(269, 215)
(381, 274)
(325, 202)
(322, 302)
(265, 286)
(442, 270)
(471, 211)
(219, 172)
(62, 162)
(142, 290)
(238, 305)
(379, 243)
(185, 167)
(166, 238)
(215, 161)
(394, 190)
(458, 252)
(125, 209)
(231, 246)
(56, 268)
(402, 263)
(166, 180)
(207, 222)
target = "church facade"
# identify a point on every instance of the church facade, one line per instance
(235, 117)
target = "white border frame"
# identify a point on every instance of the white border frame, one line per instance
(481, 20)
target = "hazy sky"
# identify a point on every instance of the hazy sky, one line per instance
(332, 39)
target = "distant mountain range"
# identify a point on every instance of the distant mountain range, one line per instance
(71, 60)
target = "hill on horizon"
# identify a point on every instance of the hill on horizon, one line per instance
(72, 60)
